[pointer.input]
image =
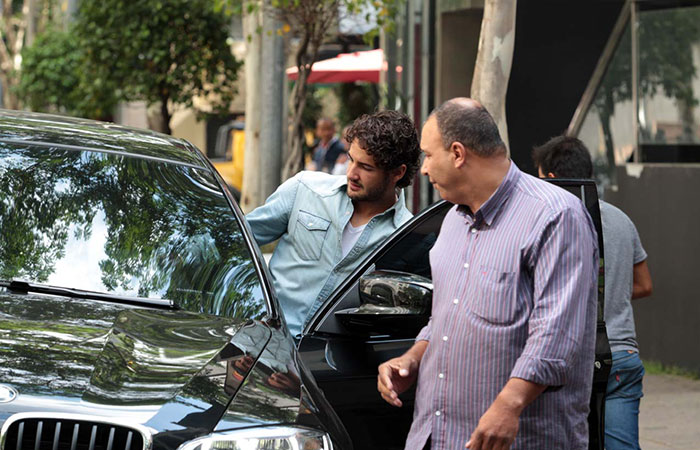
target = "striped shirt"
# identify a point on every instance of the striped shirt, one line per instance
(514, 296)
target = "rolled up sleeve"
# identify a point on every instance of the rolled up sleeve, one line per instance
(425, 332)
(565, 280)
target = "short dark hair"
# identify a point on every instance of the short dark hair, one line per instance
(565, 157)
(472, 126)
(390, 138)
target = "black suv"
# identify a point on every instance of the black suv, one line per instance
(136, 311)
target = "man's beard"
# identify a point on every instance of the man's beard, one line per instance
(369, 195)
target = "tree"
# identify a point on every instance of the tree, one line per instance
(494, 60)
(16, 20)
(52, 82)
(355, 99)
(311, 21)
(163, 52)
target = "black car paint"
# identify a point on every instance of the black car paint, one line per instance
(181, 374)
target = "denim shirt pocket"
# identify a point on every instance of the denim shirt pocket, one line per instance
(310, 235)
(493, 295)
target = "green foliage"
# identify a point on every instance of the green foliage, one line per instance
(313, 109)
(355, 100)
(659, 368)
(52, 81)
(166, 51)
(159, 50)
(666, 40)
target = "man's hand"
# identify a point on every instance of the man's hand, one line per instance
(496, 429)
(399, 374)
(498, 426)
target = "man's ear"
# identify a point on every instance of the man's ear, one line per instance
(551, 175)
(398, 173)
(459, 154)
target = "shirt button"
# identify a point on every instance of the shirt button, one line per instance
(441, 375)
(455, 301)
(466, 265)
(437, 413)
(311, 224)
(473, 230)
(444, 338)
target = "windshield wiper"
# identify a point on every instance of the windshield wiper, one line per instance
(26, 287)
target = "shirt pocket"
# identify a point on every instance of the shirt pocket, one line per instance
(494, 299)
(310, 235)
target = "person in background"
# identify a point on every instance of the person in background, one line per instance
(326, 224)
(507, 356)
(627, 277)
(329, 147)
(341, 164)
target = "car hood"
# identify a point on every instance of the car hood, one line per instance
(165, 369)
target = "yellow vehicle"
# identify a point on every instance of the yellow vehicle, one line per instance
(230, 144)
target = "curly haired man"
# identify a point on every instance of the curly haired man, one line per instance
(326, 224)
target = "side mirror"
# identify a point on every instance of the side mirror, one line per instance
(391, 302)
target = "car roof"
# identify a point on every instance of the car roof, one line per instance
(91, 135)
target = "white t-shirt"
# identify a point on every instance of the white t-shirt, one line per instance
(350, 236)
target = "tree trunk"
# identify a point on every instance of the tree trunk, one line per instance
(250, 192)
(494, 60)
(158, 117)
(11, 44)
(294, 162)
(7, 99)
(271, 112)
(165, 114)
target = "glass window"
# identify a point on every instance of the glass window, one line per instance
(667, 127)
(669, 85)
(126, 226)
(410, 253)
(608, 128)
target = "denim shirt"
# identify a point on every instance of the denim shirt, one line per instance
(308, 213)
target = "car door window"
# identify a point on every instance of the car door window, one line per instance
(410, 254)
(407, 250)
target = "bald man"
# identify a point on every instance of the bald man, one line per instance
(506, 360)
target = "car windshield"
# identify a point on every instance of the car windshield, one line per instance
(125, 226)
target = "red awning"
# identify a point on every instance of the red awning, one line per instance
(346, 68)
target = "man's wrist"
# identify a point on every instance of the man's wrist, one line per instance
(416, 351)
(511, 403)
(517, 394)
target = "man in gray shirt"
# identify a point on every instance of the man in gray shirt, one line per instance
(626, 277)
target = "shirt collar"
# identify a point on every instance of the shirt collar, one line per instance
(399, 209)
(341, 182)
(490, 209)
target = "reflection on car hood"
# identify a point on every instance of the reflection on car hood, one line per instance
(97, 358)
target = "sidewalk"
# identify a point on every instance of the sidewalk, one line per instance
(670, 413)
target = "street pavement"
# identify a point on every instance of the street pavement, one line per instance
(669, 415)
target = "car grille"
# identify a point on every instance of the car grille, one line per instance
(62, 434)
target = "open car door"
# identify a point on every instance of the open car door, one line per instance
(375, 314)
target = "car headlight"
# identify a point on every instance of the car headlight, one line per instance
(264, 438)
